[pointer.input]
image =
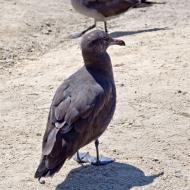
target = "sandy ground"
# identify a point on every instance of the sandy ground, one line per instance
(150, 132)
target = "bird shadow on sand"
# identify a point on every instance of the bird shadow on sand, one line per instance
(118, 34)
(115, 176)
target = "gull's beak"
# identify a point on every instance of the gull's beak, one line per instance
(117, 42)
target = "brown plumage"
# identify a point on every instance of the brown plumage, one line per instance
(82, 107)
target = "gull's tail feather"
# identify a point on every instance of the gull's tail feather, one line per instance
(44, 171)
(145, 3)
(54, 154)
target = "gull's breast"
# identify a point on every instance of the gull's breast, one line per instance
(80, 7)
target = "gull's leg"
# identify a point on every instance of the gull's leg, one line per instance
(97, 151)
(81, 157)
(87, 158)
(100, 160)
(78, 157)
(89, 28)
(105, 27)
(77, 35)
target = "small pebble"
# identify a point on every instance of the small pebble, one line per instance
(179, 91)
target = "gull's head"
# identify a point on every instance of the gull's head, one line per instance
(98, 41)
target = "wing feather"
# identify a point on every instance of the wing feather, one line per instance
(69, 106)
(110, 8)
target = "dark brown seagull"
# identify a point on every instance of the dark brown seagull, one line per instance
(82, 107)
(103, 10)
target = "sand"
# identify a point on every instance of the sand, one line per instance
(150, 132)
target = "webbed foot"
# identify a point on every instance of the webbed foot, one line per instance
(81, 157)
(76, 35)
(102, 161)
(87, 158)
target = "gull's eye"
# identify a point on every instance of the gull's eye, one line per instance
(105, 38)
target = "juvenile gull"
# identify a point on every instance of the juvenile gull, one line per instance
(102, 10)
(82, 107)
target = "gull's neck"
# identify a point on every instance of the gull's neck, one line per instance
(98, 61)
